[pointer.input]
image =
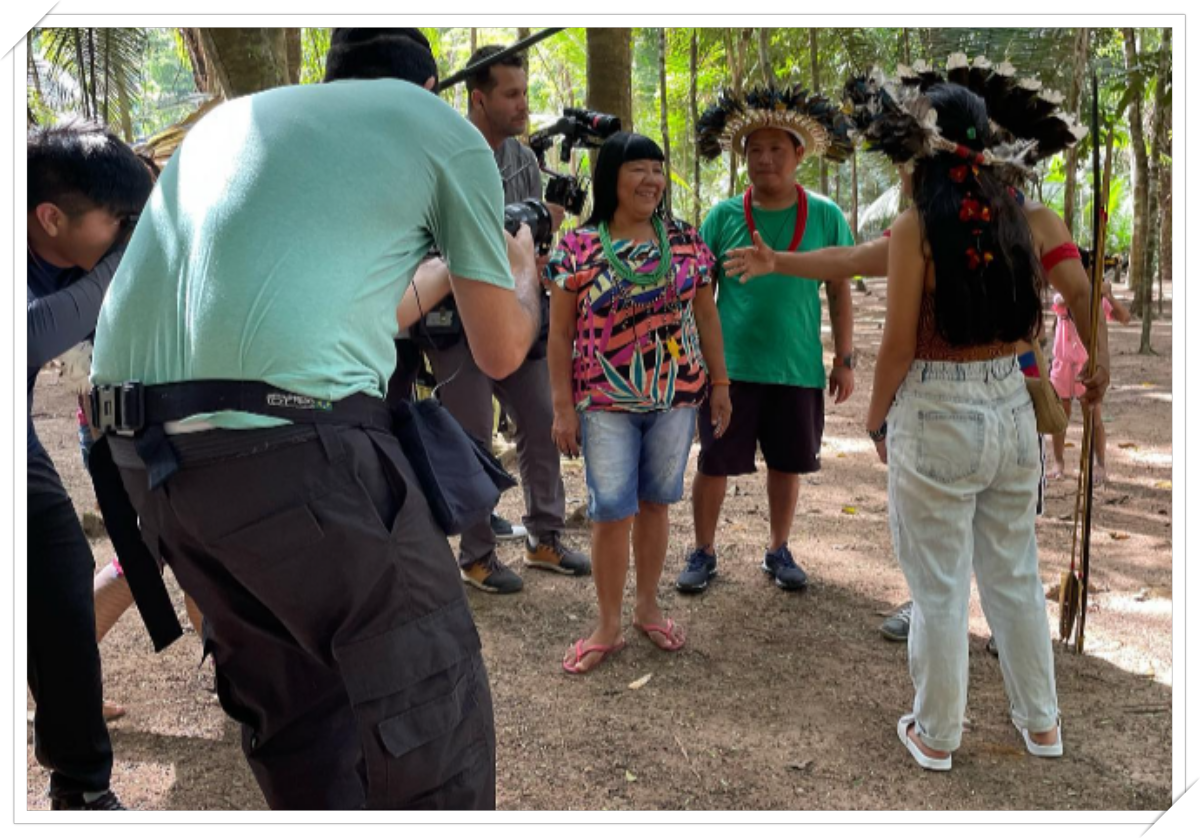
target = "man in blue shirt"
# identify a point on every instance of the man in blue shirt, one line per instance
(85, 189)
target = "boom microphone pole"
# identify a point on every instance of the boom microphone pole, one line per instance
(519, 46)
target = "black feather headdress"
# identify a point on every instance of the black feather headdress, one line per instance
(818, 123)
(893, 116)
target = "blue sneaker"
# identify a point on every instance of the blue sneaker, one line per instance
(701, 567)
(788, 575)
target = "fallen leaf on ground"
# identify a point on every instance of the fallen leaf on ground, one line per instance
(1132, 445)
(800, 766)
(641, 682)
(1069, 445)
(1163, 484)
(630, 777)
(1118, 536)
(849, 510)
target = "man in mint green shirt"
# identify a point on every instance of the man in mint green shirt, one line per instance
(773, 351)
(275, 250)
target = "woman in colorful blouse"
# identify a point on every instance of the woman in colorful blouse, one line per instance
(635, 346)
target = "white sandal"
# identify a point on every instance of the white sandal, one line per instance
(927, 762)
(1048, 751)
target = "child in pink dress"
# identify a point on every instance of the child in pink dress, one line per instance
(1070, 363)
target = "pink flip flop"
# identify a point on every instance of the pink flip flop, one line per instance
(667, 631)
(582, 651)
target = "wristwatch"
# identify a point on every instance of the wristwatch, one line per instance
(849, 360)
(879, 435)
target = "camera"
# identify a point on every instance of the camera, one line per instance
(535, 214)
(578, 128)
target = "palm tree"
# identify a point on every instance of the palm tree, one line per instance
(95, 71)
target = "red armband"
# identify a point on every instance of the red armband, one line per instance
(1065, 251)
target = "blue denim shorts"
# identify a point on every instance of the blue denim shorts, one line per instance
(632, 457)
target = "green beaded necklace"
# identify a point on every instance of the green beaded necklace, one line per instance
(625, 271)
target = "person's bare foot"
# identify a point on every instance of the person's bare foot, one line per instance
(1056, 471)
(1099, 474)
(663, 633)
(602, 642)
(925, 749)
(111, 711)
(1050, 737)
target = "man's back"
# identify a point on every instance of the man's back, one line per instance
(281, 237)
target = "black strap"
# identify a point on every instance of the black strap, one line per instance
(141, 570)
(132, 406)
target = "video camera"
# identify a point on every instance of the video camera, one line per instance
(578, 128)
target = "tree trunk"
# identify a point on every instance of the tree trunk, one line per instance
(735, 78)
(1072, 106)
(1140, 171)
(1164, 175)
(816, 88)
(195, 50)
(609, 73)
(523, 32)
(664, 124)
(694, 113)
(1157, 134)
(474, 40)
(246, 61)
(91, 33)
(764, 56)
(295, 54)
(906, 52)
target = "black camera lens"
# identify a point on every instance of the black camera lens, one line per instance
(534, 214)
(602, 123)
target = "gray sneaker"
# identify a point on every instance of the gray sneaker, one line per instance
(700, 568)
(895, 627)
(491, 576)
(788, 575)
(505, 530)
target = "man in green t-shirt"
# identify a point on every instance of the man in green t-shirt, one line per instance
(772, 326)
(270, 261)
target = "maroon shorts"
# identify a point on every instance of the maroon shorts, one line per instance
(786, 421)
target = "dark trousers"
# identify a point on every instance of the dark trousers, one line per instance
(70, 737)
(467, 394)
(342, 637)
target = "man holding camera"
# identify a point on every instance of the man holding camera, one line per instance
(500, 110)
(241, 359)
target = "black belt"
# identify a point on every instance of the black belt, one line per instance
(139, 410)
(132, 406)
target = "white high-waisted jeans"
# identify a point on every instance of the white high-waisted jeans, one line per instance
(963, 472)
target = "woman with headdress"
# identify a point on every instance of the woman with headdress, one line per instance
(950, 413)
(634, 340)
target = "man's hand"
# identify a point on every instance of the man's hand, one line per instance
(750, 262)
(1095, 387)
(841, 383)
(557, 214)
(565, 431)
(522, 258)
(721, 408)
(881, 450)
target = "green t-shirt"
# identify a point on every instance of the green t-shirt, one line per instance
(772, 324)
(280, 238)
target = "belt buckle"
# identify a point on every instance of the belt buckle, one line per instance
(118, 407)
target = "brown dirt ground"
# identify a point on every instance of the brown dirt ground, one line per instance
(779, 701)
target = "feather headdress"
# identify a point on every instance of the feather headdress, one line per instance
(895, 117)
(816, 122)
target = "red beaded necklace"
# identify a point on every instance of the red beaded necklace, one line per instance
(801, 216)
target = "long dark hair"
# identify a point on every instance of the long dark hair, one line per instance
(622, 147)
(989, 279)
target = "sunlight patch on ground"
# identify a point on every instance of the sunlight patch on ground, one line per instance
(848, 445)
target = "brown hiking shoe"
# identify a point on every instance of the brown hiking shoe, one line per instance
(491, 576)
(549, 553)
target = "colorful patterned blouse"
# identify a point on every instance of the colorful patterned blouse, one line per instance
(637, 349)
